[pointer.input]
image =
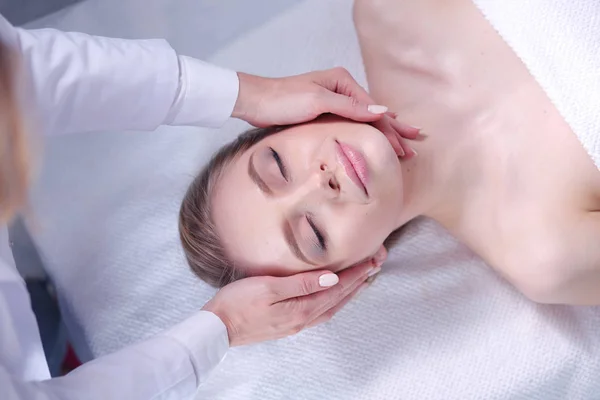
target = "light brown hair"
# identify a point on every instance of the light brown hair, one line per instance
(201, 243)
(202, 246)
(15, 168)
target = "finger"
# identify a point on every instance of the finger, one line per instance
(302, 284)
(384, 126)
(409, 152)
(391, 135)
(380, 255)
(339, 80)
(350, 107)
(396, 144)
(405, 130)
(350, 279)
(327, 315)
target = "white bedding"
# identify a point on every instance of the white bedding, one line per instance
(437, 323)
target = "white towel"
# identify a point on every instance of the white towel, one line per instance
(437, 323)
(559, 42)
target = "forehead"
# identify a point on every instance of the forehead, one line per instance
(248, 222)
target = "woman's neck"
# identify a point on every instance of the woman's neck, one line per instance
(441, 182)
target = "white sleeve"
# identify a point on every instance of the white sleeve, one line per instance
(168, 366)
(83, 83)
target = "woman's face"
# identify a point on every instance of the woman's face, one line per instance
(320, 195)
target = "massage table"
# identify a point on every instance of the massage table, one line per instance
(437, 323)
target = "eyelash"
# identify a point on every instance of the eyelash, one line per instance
(322, 244)
(279, 163)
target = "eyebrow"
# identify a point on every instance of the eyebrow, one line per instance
(288, 232)
(290, 239)
(257, 179)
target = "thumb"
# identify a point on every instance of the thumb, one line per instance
(351, 108)
(303, 284)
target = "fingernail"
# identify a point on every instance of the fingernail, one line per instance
(377, 109)
(374, 271)
(328, 280)
(414, 153)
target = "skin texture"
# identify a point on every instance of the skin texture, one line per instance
(266, 102)
(265, 308)
(518, 187)
(498, 167)
(314, 187)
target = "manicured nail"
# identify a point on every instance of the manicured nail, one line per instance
(374, 271)
(377, 109)
(414, 153)
(328, 280)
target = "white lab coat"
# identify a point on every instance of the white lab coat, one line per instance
(81, 83)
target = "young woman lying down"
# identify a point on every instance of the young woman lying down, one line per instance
(498, 167)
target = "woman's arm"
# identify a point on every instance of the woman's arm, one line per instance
(168, 366)
(82, 83)
(566, 267)
(577, 264)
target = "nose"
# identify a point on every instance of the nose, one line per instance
(318, 187)
(327, 181)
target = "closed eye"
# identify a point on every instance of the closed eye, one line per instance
(280, 164)
(322, 243)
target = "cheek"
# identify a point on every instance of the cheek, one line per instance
(359, 238)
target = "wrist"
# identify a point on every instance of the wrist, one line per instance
(251, 94)
(213, 308)
(205, 337)
(240, 109)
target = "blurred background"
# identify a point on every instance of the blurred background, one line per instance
(22, 11)
(61, 357)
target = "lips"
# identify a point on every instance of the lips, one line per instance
(354, 164)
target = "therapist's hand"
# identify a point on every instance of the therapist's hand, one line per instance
(266, 308)
(284, 101)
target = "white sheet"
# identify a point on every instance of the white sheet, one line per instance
(437, 324)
